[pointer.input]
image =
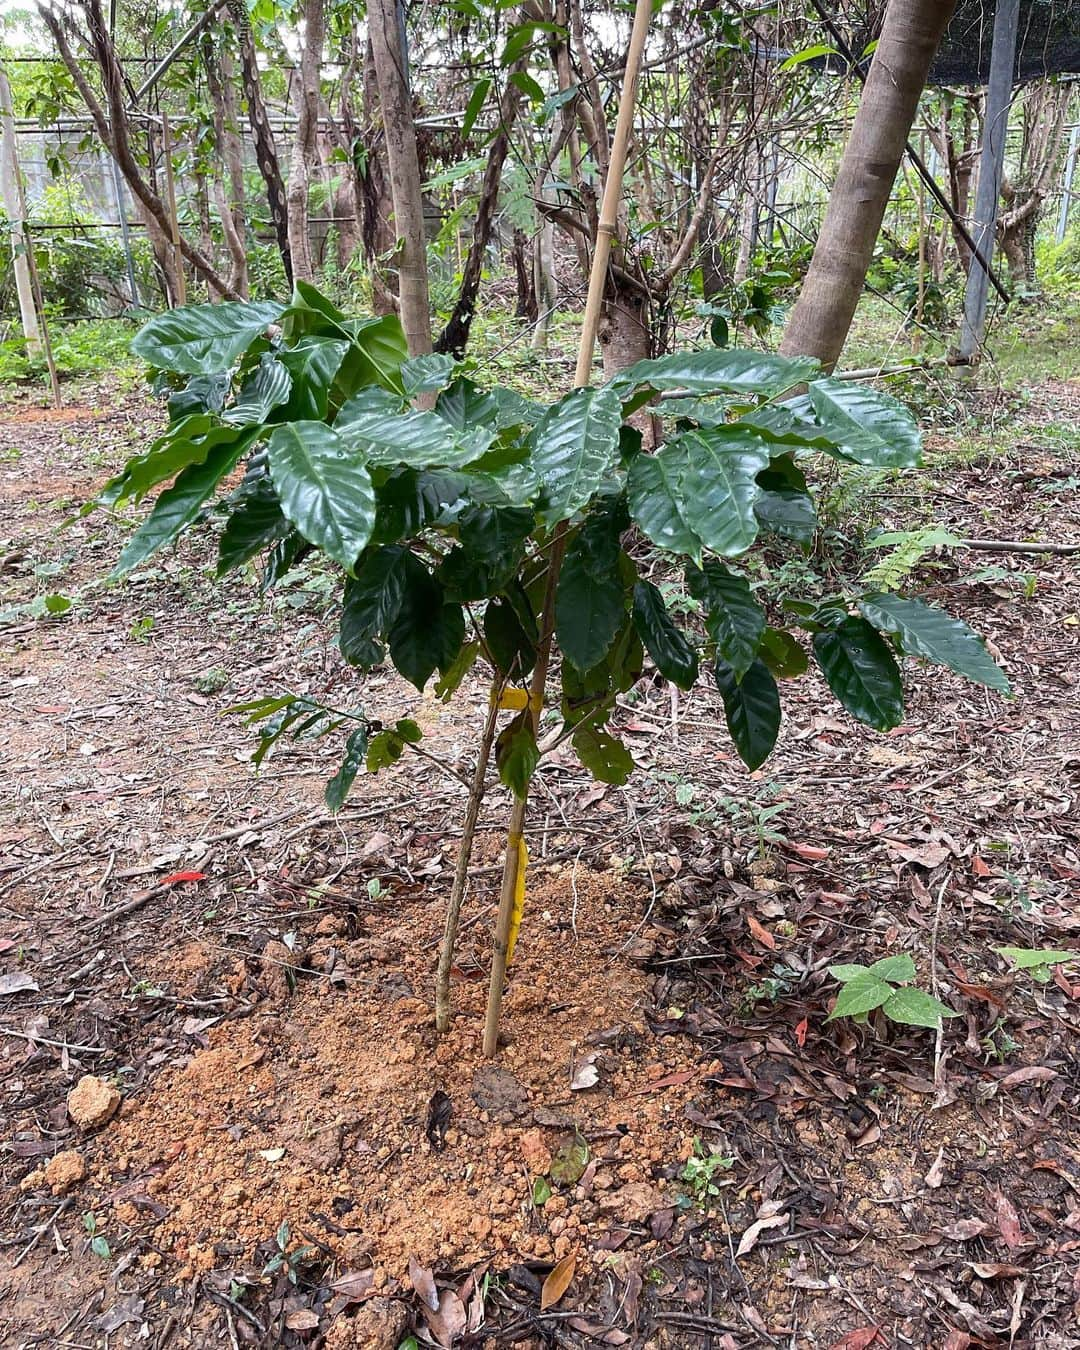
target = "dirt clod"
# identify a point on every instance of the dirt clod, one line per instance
(379, 1325)
(92, 1102)
(64, 1171)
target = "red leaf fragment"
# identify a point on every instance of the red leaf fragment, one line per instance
(800, 1032)
(1008, 1221)
(811, 852)
(761, 933)
(859, 1339)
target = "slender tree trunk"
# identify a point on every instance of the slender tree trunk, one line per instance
(20, 239)
(228, 187)
(375, 204)
(391, 69)
(261, 134)
(112, 128)
(304, 147)
(822, 316)
(526, 291)
(455, 336)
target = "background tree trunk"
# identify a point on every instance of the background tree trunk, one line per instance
(822, 316)
(228, 188)
(303, 157)
(261, 133)
(388, 51)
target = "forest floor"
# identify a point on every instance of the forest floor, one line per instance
(672, 1125)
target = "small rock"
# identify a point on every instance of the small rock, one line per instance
(64, 1171)
(92, 1102)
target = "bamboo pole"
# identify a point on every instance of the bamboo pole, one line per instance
(174, 220)
(607, 229)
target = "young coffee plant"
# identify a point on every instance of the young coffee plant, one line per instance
(488, 530)
(886, 985)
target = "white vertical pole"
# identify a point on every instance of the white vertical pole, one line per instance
(1067, 187)
(991, 168)
(20, 236)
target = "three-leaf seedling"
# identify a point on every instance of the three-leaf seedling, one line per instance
(885, 985)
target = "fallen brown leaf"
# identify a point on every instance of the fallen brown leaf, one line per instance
(558, 1282)
(1008, 1221)
(423, 1282)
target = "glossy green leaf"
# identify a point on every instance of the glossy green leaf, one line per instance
(371, 601)
(179, 505)
(776, 422)
(589, 609)
(312, 366)
(204, 339)
(426, 633)
(867, 426)
(450, 680)
(785, 511)
(751, 710)
(286, 554)
(860, 995)
(915, 1008)
(783, 654)
(675, 659)
(716, 370)
(719, 486)
(575, 446)
(384, 749)
(377, 352)
(337, 789)
(265, 389)
(605, 757)
(923, 630)
(427, 374)
(896, 969)
(517, 754)
(256, 522)
(734, 620)
(862, 673)
(186, 442)
(495, 534)
(656, 500)
(512, 648)
(325, 490)
(417, 439)
(472, 109)
(410, 499)
(202, 393)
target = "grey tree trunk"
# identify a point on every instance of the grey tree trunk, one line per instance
(391, 70)
(822, 316)
(991, 168)
(303, 157)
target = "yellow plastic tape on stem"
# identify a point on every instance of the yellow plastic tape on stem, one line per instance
(519, 898)
(516, 700)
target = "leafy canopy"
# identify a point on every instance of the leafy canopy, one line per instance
(441, 522)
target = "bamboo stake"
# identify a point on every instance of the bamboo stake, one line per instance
(606, 231)
(174, 221)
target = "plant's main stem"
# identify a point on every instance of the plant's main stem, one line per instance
(461, 871)
(606, 231)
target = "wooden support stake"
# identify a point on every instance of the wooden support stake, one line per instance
(606, 231)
